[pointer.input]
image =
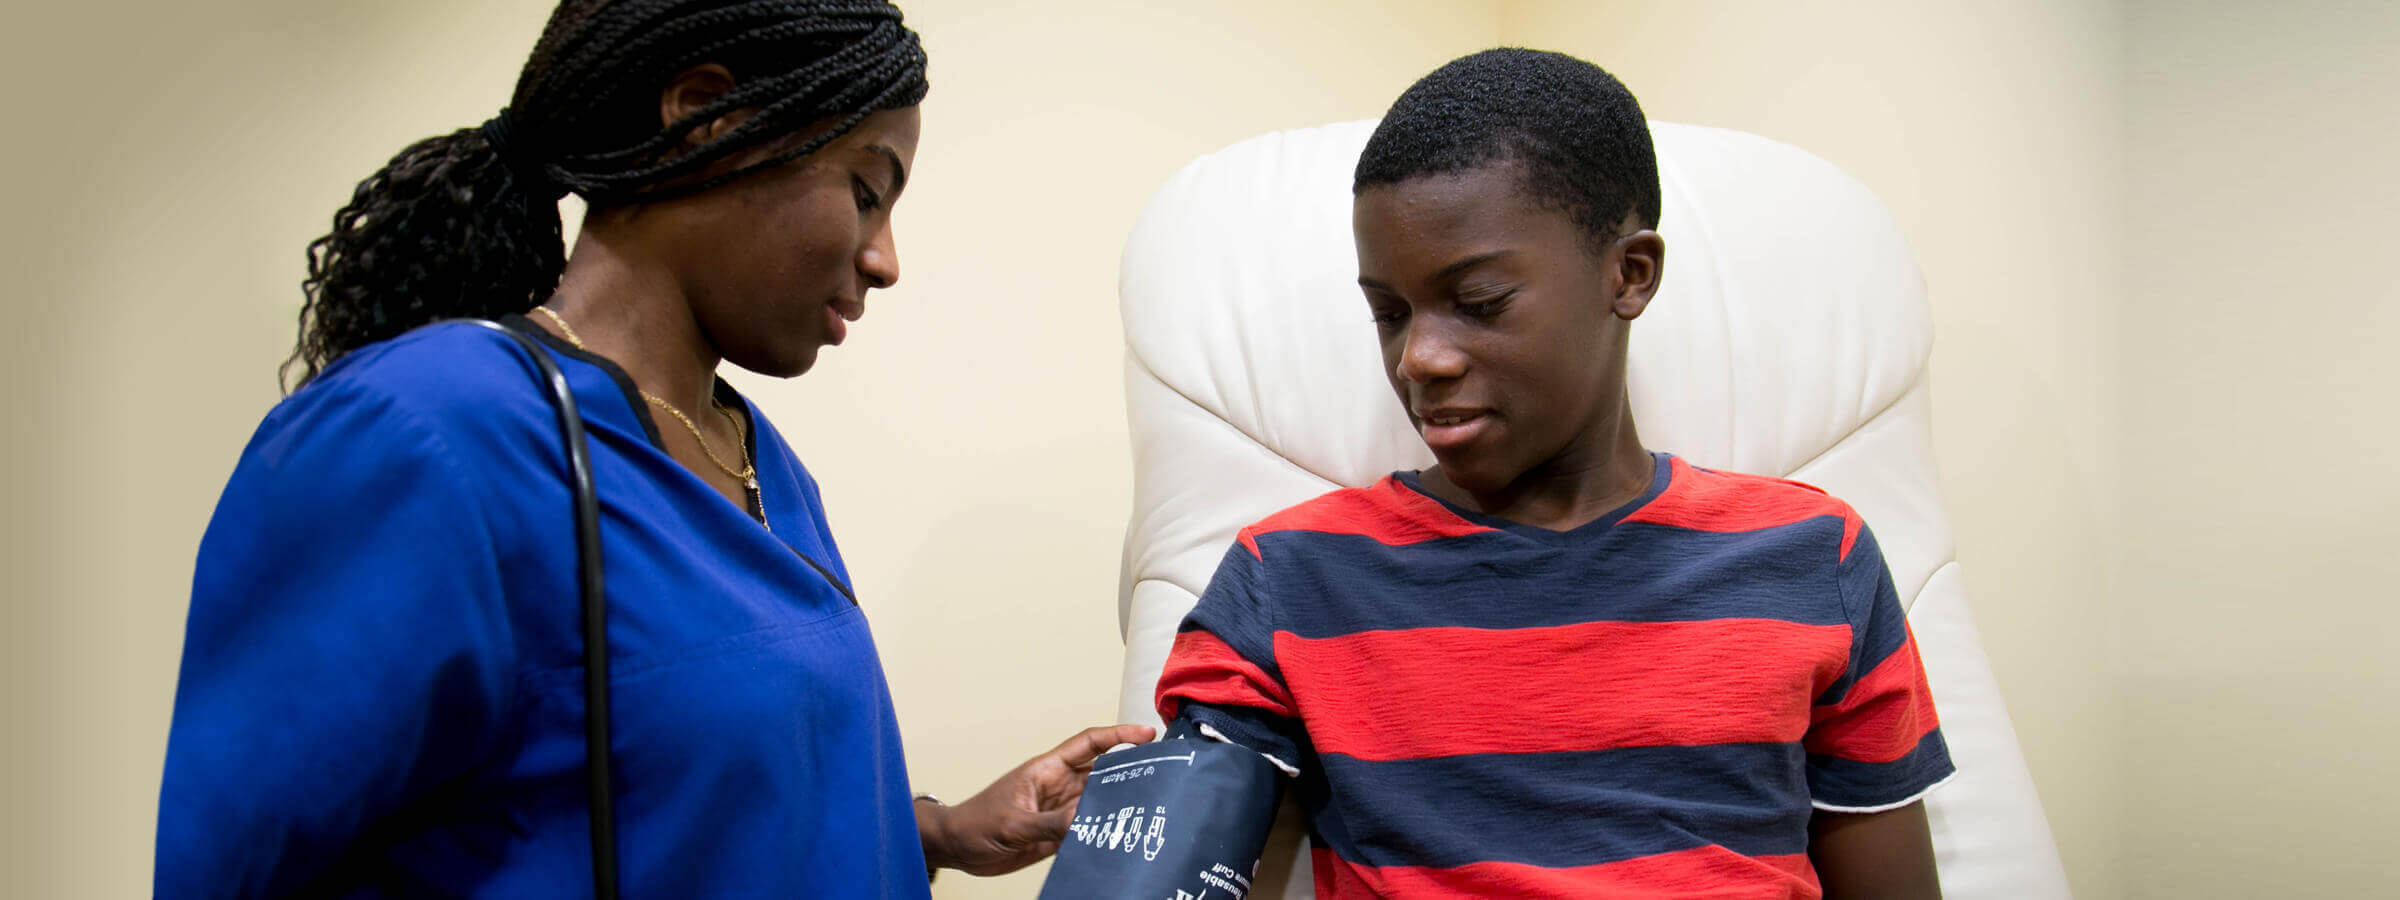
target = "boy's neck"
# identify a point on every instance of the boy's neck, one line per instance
(1589, 480)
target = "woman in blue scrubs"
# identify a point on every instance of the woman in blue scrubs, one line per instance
(381, 683)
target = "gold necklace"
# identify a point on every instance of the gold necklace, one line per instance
(747, 475)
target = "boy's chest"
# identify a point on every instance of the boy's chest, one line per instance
(1446, 666)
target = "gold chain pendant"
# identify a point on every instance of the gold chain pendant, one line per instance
(747, 475)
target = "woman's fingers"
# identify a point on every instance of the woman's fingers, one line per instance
(1050, 824)
(1087, 745)
(1054, 792)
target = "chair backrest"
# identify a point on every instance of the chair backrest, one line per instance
(1789, 339)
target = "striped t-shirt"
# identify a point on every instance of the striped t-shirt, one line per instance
(1648, 705)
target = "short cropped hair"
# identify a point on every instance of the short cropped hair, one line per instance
(1576, 130)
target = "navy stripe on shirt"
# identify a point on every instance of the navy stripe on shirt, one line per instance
(1561, 810)
(1834, 781)
(1328, 585)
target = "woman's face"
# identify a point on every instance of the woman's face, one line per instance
(778, 264)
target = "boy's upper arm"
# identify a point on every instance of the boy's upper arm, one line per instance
(1874, 856)
(1222, 673)
(1874, 742)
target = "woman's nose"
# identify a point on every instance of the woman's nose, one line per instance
(879, 260)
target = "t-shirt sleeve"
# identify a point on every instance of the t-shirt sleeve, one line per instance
(347, 647)
(1221, 674)
(1873, 741)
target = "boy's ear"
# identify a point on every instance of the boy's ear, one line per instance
(1640, 258)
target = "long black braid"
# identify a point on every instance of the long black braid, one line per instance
(466, 224)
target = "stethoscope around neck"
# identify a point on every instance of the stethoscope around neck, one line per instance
(600, 799)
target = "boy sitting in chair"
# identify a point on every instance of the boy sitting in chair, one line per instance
(1557, 663)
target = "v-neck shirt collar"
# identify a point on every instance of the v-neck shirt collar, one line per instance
(640, 408)
(1662, 474)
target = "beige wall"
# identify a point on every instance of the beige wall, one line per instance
(2263, 514)
(970, 437)
(2147, 230)
(1992, 130)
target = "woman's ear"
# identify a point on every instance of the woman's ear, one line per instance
(693, 91)
(1640, 259)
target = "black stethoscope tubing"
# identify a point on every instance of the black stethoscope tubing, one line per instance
(600, 800)
(599, 797)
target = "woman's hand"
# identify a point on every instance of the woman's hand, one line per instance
(1020, 819)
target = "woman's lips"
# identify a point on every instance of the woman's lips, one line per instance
(838, 316)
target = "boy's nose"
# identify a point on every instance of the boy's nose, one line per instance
(1427, 358)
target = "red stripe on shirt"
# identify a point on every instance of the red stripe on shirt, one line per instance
(1202, 668)
(1703, 500)
(1885, 714)
(1698, 872)
(1430, 692)
(1387, 512)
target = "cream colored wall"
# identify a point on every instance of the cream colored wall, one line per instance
(2148, 231)
(167, 165)
(1993, 131)
(2263, 513)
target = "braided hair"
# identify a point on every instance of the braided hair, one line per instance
(466, 224)
(1577, 132)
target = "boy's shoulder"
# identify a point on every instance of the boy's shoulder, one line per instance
(1386, 512)
(1722, 501)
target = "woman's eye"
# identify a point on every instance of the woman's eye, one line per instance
(1387, 318)
(868, 200)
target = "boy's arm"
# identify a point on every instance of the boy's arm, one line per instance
(1222, 675)
(1874, 856)
(1874, 747)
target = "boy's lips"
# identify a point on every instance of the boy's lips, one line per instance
(1450, 428)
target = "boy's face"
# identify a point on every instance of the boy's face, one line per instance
(1503, 329)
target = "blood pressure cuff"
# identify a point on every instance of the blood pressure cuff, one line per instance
(1181, 818)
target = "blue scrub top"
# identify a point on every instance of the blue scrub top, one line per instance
(381, 690)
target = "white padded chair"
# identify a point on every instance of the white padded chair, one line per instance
(1789, 339)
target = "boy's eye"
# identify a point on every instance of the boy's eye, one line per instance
(1389, 318)
(868, 200)
(1485, 307)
